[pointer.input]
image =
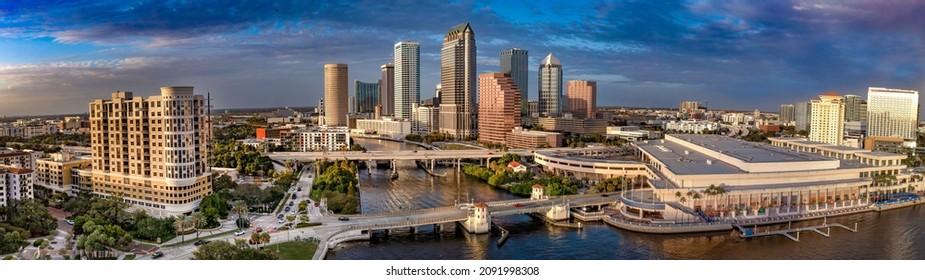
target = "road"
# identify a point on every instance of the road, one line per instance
(412, 155)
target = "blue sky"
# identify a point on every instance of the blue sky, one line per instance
(57, 57)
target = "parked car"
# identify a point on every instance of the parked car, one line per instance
(69, 221)
(157, 255)
(342, 218)
(239, 233)
(201, 242)
(259, 230)
(281, 221)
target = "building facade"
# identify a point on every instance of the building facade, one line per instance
(786, 114)
(582, 98)
(407, 78)
(319, 138)
(388, 127)
(387, 90)
(515, 62)
(573, 125)
(15, 184)
(367, 96)
(426, 119)
(151, 152)
(18, 158)
(802, 116)
(499, 107)
(54, 171)
(335, 94)
(552, 102)
(458, 83)
(828, 120)
(520, 138)
(687, 107)
(854, 109)
(893, 113)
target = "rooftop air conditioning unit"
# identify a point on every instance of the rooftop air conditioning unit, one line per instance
(686, 152)
(709, 162)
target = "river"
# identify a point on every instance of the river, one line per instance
(886, 235)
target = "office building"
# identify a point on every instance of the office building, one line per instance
(407, 78)
(458, 82)
(828, 119)
(552, 102)
(855, 108)
(893, 113)
(387, 89)
(515, 62)
(367, 96)
(426, 119)
(151, 152)
(786, 114)
(386, 127)
(520, 138)
(802, 116)
(688, 107)
(573, 125)
(582, 98)
(335, 94)
(533, 108)
(499, 107)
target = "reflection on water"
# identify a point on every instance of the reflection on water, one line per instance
(887, 235)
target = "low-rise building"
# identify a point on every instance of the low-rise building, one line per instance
(697, 127)
(54, 171)
(632, 133)
(15, 183)
(528, 139)
(885, 144)
(319, 138)
(573, 125)
(387, 127)
(18, 158)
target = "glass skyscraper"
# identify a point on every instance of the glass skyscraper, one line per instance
(514, 62)
(366, 95)
(893, 113)
(407, 78)
(552, 101)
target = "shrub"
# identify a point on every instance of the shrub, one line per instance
(302, 225)
(38, 242)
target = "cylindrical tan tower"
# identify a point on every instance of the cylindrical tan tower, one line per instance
(335, 94)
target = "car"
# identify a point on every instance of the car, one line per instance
(342, 218)
(518, 205)
(287, 208)
(281, 221)
(299, 189)
(69, 221)
(259, 230)
(157, 255)
(294, 196)
(239, 233)
(291, 203)
(201, 242)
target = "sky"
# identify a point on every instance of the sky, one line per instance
(55, 58)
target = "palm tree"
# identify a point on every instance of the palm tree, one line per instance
(678, 195)
(239, 207)
(197, 220)
(264, 238)
(290, 218)
(180, 225)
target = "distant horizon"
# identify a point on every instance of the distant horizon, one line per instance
(756, 55)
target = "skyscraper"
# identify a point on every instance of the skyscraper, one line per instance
(582, 98)
(802, 116)
(552, 101)
(515, 62)
(786, 114)
(335, 94)
(893, 113)
(367, 96)
(828, 119)
(853, 108)
(387, 89)
(457, 80)
(407, 78)
(499, 107)
(151, 152)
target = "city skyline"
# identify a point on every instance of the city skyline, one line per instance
(73, 53)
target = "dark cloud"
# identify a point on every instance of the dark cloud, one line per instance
(644, 53)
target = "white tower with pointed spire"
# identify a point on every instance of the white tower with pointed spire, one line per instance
(552, 102)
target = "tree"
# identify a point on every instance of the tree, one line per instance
(9, 241)
(239, 207)
(222, 250)
(180, 225)
(198, 221)
(30, 215)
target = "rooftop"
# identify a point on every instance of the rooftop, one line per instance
(752, 152)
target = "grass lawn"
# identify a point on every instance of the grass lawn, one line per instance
(295, 250)
(129, 257)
